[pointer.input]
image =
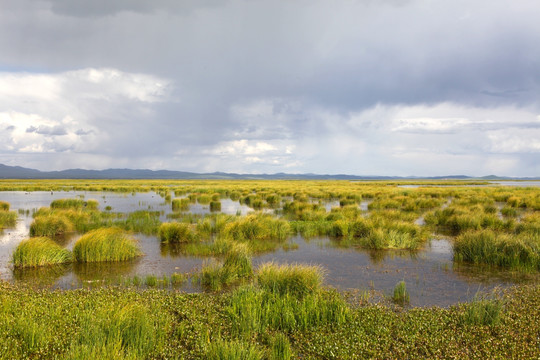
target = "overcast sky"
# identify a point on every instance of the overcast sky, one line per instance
(365, 87)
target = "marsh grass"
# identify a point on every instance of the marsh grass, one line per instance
(177, 279)
(113, 331)
(106, 244)
(280, 347)
(487, 247)
(176, 233)
(7, 218)
(74, 204)
(141, 221)
(296, 280)
(4, 206)
(215, 205)
(483, 311)
(401, 295)
(257, 227)
(233, 350)
(39, 251)
(252, 310)
(51, 225)
(181, 204)
(236, 267)
(150, 280)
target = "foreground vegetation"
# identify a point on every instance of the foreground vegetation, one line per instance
(274, 311)
(254, 323)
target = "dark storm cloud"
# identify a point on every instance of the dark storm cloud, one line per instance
(96, 8)
(47, 130)
(276, 76)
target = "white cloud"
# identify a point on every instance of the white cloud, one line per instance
(65, 112)
(513, 141)
(429, 124)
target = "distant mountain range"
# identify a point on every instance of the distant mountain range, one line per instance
(17, 172)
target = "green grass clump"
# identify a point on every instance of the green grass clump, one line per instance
(74, 204)
(482, 311)
(280, 347)
(106, 244)
(257, 227)
(233, 350)
(401, 295)
(176, 233)
(215, 206)
(296, 280)
(51, 225)
(178, 279)
(150, 280)
(238, 260)
(39, 251)
(488, 247)
(252, 310)
(7, 218)
(180, 204)
(112, 332)
(4, 206)
(235, 268)
(141, 221)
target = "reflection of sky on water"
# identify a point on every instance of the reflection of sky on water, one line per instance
(431, 276)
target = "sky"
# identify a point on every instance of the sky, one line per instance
(363, 87)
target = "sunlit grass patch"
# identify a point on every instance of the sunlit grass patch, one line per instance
(180, 204)
(233, 350)
(236, 267)
(51, 225)
(74, 204)
(176, 233)
(252, 310)
(487, 247)
(297, 280)
(106, 244)
(4, 206)
(483, 311)
(39, 251)
(113, 331)
(7, 218)
(257, 227)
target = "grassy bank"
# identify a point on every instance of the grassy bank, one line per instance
(154, 324)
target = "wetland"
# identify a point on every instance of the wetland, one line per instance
(455, 250)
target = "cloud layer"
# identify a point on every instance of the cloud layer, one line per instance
(395, 87)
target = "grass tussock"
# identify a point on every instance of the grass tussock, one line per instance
(180, 204)
(235, 268)
(504, 250)
(7, 218)
(125, 332)
(296, 280)
(4, 206)
(401, 295)
(176, 233)
(39, 251)
(483, 311)
(254, 310)
(51, 225)
(233, 350)
(74, 204)
(106, 244)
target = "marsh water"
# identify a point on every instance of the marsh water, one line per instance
(431, 276)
